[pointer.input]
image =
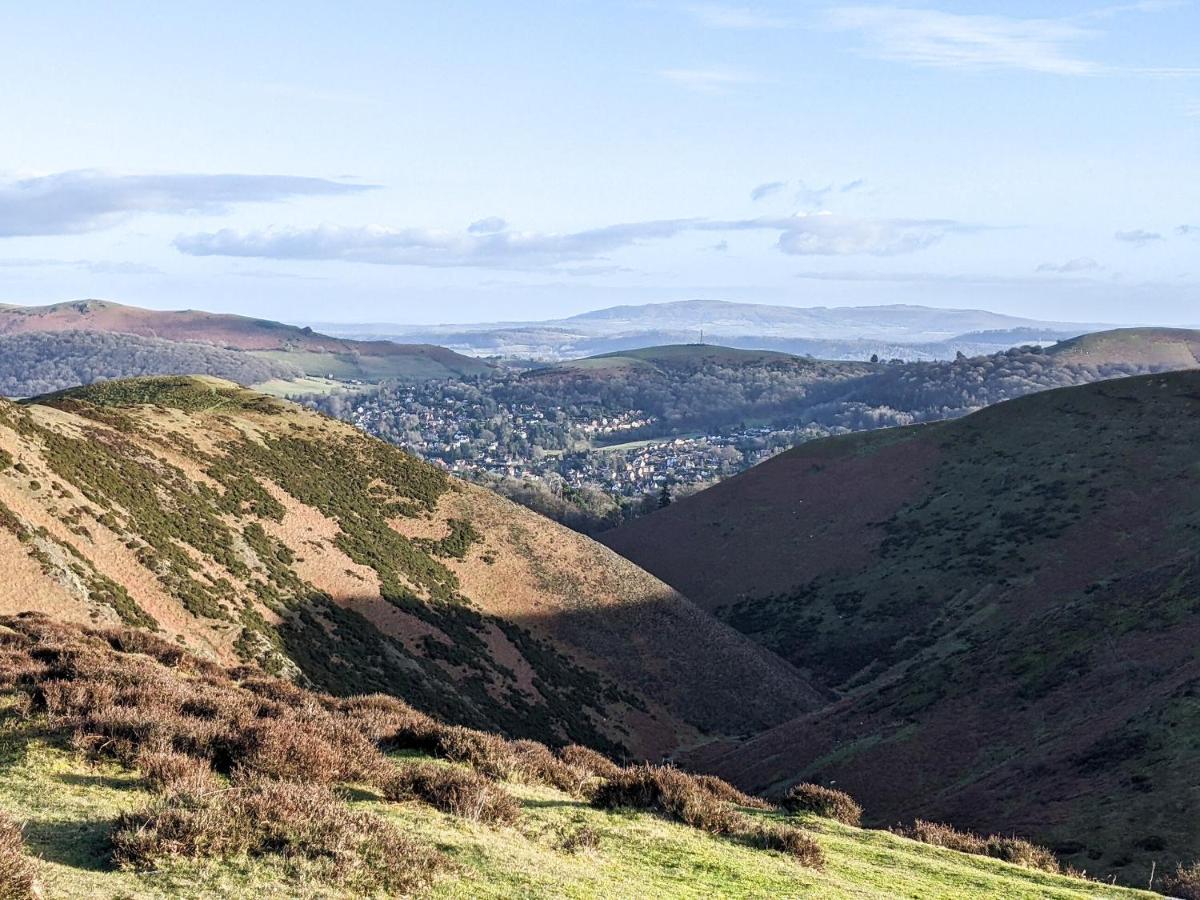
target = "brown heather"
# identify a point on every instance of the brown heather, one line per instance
(691, 799)
(455, 790)
(824, 801)
(246, 763)
(588, 760)
(305, 824)
(170, 773)
(1010, 849)
(18, 874)
(1184, 882)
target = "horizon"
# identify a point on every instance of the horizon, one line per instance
(459, 164)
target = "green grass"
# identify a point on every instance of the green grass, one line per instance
(290, 387)
(69, 806)
(373, 368)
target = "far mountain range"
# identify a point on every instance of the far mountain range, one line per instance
(859, 332)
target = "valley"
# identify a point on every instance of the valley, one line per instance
(1003, 605)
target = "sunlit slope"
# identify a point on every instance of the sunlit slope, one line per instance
(247, 528)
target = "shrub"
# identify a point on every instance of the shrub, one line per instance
(1010, 849)
(170, 773)
(18, 874)
(579, 839)
(313, 748)
(723, 790)
(535, 763)
(790, 840)
(669, 792)
(489, 753)
(589, 760)
(824, 801)
(392, 723)
(458, 791)
(692, 800)
(1183, 882)
(303, 823)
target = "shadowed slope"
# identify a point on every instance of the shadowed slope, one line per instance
(1006, 604)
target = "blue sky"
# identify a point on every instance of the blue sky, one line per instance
(455, 161)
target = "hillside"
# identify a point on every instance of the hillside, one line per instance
(1005, 605)
(134, 770)
(248, 529)
(286, 346)
(1160, 348)
(675, 357)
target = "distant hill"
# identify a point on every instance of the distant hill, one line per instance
(287, 346)
(246, 528)
(676, 357)
(1006, 605)
(903, 331)
(1162, 348)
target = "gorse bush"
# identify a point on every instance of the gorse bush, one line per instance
(18, 874)
(1010, 849)
(305, 824)
(458, 791)
(824, 801)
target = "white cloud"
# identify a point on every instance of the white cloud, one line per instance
(1139, 237)
(87, 200)
(767, 189)
(490, 225)
(828, 235)
(428, 247)
(96, 267)
(1078, 264)
(709, 81)
(800, 235)
(933, 38)
(738, 18)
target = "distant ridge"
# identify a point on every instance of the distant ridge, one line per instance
(301, 348)
(906, 331)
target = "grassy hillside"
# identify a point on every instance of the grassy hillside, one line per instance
(1160, 348)
(1006, 605)
(134, 770)
(676, 357)
(312, 353)
(251, 530)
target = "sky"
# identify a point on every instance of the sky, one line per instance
(421, 162)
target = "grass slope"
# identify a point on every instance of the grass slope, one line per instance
(1006, 605)
(132, 695)
(249, 529)
(1159, 348)
(675, 357)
